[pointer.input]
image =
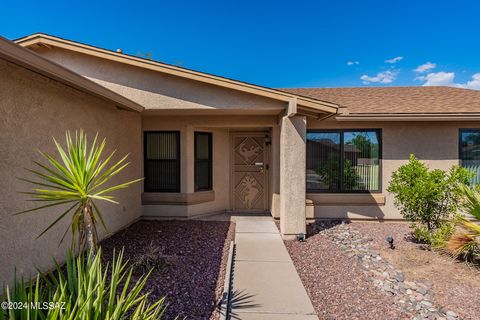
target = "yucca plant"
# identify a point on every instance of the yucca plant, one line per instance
(465, 241)
(76, 182)
(84, 289)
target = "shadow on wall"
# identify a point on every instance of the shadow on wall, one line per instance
(349, 212)
(365, 210)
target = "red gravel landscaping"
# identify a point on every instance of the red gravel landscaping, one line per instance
(194, 259)
(455, 284)
(336, 286)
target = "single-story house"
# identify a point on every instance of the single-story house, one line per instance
(207, 144)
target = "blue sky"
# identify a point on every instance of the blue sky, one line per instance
(277, 43)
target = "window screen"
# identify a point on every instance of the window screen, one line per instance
(203, 161)
(162, 161)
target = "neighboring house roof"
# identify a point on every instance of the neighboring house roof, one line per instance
(304, 103)
(36, 63)
(441, 103)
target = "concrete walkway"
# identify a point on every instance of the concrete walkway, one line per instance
(265, 282)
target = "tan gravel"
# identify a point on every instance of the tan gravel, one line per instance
(456, 285)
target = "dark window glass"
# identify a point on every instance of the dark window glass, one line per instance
(162, 161)
(203, 161)
(470, 152)
(343, 160)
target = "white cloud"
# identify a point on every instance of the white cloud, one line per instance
(351, 63)
(472, 84)
(427, 66)
(438, 79)
(381, 77)
(448, 79)
(394, 60)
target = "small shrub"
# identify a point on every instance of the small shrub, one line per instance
(84, 289)
(436, 238)
(428, 197)
(151, 259)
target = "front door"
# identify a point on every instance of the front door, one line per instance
(249, 176)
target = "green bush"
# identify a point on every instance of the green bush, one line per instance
(428, 197)
(83, 289)
(436, 238)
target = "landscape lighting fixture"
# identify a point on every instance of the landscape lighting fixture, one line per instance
(301, 237)
(390, 241)
(268, 140)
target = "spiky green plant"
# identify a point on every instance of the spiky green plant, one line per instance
(471, 201)
(465, 242)
(84, 289)
(76, 182)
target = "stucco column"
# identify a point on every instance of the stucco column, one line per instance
(292, 176)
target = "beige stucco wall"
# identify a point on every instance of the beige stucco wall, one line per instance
(33, 109)
(155, 90)
(185, 105)
(435, 143)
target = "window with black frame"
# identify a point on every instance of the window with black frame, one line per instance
(469, 150)
(343, 160)
(162, 161)
(203, 161)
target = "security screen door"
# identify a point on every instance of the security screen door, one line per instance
(249, 172)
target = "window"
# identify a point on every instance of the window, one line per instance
(343, 160)
(203, 161)
(162, 161)
(469, 148)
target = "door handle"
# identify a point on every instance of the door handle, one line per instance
(259, 164)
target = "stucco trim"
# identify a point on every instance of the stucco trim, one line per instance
(177, 198)
(40, 39)
(346, 199)
(36, 63)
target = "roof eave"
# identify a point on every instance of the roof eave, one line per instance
(36, 63)
(409, 117)
(310, 103)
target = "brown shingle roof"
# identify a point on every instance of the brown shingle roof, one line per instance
(397, 100)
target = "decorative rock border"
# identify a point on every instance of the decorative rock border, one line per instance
(414, 297)
(225, 301)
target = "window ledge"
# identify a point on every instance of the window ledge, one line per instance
(345, 199)
(177, 198)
